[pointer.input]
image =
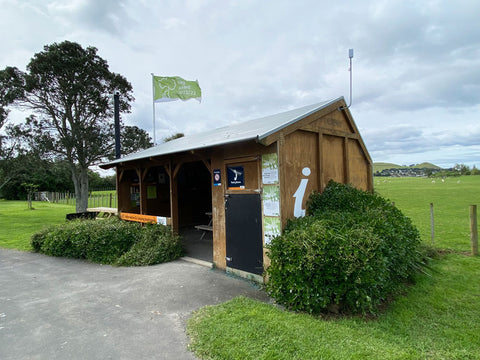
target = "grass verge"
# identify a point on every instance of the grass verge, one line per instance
(18, 223)
(437, 319)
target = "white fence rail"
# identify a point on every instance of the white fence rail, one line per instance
(107, 199)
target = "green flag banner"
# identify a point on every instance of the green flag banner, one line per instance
(175, 88)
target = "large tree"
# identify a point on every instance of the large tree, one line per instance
(10, 91)
(132, 139)
(70, 91)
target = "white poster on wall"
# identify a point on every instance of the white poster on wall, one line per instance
(270, 168)
(273, 228)
(271, 201)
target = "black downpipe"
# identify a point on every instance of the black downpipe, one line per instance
(116, 110)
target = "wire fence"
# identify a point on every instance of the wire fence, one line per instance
(95, 199)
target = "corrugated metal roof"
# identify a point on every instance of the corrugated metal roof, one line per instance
(249, 130)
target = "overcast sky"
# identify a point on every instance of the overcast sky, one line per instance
(416, 68)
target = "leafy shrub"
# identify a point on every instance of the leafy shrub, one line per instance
(156, 245)
(400, 238)
(106, 241)
(341, 197)
(352, 251)
(38, 239)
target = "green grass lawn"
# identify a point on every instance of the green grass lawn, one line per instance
(451, 200)
(18, 223)
(436, 319)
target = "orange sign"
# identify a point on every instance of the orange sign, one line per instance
(146, 219)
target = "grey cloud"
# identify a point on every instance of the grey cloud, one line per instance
(409, 140)
(419, 54)
(416, 66)
(105, 15)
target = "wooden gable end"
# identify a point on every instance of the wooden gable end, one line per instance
(323, 146)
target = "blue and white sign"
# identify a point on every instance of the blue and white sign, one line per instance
(236, 177)
(217, 177)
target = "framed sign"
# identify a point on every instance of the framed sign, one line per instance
(217, 177)
(151, 192)
(236, 177)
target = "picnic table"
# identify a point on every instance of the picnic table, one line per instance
(105, 212)
(205, 228)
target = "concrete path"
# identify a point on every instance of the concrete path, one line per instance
(55, 308)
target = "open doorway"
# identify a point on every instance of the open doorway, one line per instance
(195, 210)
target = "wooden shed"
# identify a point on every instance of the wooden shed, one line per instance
(245, 180)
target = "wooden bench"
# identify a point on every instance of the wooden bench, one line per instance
(204, 227)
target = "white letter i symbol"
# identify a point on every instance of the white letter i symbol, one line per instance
(300, 193)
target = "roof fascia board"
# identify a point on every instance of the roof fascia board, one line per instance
(349, 118)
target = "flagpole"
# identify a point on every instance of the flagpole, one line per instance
(153, 105)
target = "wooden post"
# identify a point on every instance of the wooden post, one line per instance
(474, 229)
(432, 224)
(110, 203)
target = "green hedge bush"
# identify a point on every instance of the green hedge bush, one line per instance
(351, 251)
(109, 241)
(157, 245)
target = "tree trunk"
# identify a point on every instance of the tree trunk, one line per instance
(83, 199)
(80, 182)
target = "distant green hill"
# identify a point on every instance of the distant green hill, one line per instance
(379, 166)
(427, 165)
(382, 166)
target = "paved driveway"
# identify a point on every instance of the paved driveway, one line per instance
(55, 308)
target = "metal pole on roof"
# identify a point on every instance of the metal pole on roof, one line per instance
(350, 55)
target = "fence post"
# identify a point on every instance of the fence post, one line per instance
(110, 204)
(432, 225)
(474, 229)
